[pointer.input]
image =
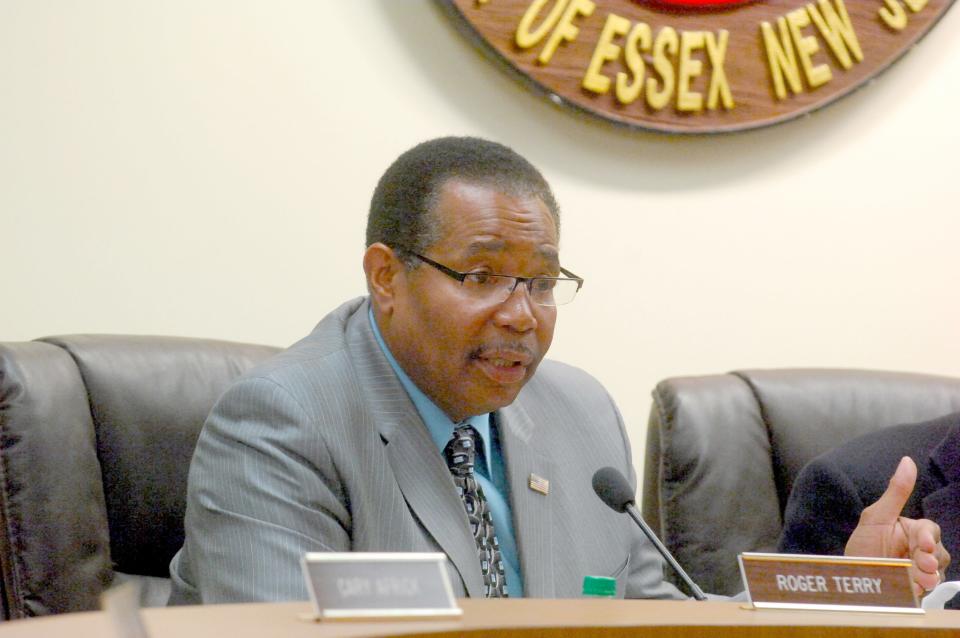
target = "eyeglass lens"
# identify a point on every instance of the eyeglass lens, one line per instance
(545, 292)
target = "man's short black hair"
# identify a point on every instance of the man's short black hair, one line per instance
(403, 202)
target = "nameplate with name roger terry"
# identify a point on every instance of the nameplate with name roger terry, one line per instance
(793, 581)
(369, 585)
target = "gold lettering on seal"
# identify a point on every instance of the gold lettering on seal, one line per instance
(894, 16)
(565, 29)
(789, 45)
(526, 37)
(674, 60)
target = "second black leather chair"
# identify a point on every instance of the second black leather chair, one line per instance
(723, 451)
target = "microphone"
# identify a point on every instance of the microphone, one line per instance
(614, 490)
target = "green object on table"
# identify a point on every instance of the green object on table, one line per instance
(599, 587)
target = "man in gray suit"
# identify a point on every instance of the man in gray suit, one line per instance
(347, 441)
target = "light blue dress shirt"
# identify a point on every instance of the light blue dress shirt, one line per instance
(489, 467)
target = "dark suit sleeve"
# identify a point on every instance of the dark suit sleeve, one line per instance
(822, 511)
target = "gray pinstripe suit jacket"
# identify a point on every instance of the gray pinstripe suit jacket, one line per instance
(320, 448)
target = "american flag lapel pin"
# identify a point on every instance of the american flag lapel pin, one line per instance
(539, 484)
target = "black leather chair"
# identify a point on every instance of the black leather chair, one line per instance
(723, 451)
(96, 436)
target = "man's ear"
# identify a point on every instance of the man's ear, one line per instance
(382, 267)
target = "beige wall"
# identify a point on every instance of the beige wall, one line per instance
(204, 168)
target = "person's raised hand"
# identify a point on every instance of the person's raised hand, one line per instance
(884, 533)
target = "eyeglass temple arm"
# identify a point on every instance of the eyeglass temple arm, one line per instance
(571, 275)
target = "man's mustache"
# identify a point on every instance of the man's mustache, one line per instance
(509, 348)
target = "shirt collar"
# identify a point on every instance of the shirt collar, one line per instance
(438, 423)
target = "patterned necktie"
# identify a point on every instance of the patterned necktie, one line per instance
(460, 453)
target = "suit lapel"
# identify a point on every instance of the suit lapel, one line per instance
(532, 510)
(425, 481)
(943, 505)
(420, 471)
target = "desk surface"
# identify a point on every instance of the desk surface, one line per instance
(509, 618)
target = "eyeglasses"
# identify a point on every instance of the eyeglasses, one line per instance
(544, 291)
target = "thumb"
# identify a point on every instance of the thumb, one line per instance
(887, 508)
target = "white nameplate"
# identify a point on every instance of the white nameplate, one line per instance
(839, 583)
(378, 585)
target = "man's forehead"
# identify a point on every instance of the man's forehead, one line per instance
(486, 219)
(491, 198)
(481, 246)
